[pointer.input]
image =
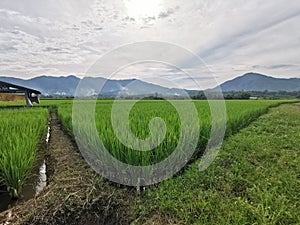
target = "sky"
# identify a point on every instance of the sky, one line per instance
(64, 37)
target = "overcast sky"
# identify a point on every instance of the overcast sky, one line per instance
(63, 37)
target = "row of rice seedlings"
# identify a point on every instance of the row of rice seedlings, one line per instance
(20, 132)
(239, 114)
(140, 116)
(12, 104)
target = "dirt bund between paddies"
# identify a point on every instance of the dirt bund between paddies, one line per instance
(74, 193)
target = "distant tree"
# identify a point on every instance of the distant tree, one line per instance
(229, 96)
(200, 96)
(245, 95)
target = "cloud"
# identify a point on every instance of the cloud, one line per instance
(168, 12)
(232, 37)
(274, 67)
(240, 38)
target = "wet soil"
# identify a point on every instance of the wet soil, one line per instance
(75, 194)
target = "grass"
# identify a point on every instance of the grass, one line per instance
(254, 180)
(20, 132)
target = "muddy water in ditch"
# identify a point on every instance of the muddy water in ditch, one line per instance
(34, 185)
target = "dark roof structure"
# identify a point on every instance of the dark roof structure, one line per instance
(30, 94)
(12, 88)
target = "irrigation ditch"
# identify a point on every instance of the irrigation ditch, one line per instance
(74, 194)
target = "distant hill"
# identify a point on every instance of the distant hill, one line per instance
(48, 85)
(66, 86)
(259, 82)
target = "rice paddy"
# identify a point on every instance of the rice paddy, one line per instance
(20, 133)
(239, 115)
(22, 129)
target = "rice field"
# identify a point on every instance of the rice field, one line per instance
(239, 115)
(74, 188)
(20, 133)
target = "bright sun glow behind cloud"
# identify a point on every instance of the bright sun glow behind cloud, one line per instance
(138, 9)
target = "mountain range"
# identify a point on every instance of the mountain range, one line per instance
(66, 86)
(259, 82)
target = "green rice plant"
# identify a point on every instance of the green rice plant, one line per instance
(239, 115)
(12, 104)
(20, 133)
